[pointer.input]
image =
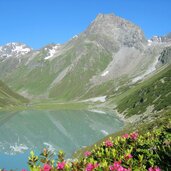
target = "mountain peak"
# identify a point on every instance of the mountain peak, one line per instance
(108, 18)
(14, 49)
(103, 16)
(162, 39)
(116, 29)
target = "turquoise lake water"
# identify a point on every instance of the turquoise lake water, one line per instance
(68, 130)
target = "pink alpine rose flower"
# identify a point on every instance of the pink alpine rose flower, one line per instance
(96, 165)
(134, 135)
(61, 165)
(91, 166)
(121, 169)
(47, 167)
(112, 168)
(128, 156)
(154, 169)
(108, 143)
(125, 136)
(87, 153)
(157, 169)
(117, 167)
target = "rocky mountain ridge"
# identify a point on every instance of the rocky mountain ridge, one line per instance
(13, 50)
(110, 53)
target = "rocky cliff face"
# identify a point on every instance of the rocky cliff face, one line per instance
(162, 39)
(165, 57)
(116, 30)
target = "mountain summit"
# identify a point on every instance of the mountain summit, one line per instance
(13, 50)
(117, 30)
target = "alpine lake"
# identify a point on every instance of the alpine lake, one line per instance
(67, 130)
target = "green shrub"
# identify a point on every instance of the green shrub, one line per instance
(150, 151)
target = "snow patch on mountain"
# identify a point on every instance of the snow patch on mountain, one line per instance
(74, 37)
(52, 51)
(96, 99)
(156, 39)
(150, 42)
(21, 50)
(105, 73)
(13, 50)
(97, 111)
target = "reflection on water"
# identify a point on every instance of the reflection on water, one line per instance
(66, 130)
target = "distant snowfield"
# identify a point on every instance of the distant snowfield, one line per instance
(15, 49)
(96, 99)
(21, 49)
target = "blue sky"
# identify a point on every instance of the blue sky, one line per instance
(40, 22)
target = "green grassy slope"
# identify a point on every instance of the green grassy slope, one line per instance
(135, 99)
(154, 92)
(8, 97)
(65, 77)
(34, 79)
(77, 81)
